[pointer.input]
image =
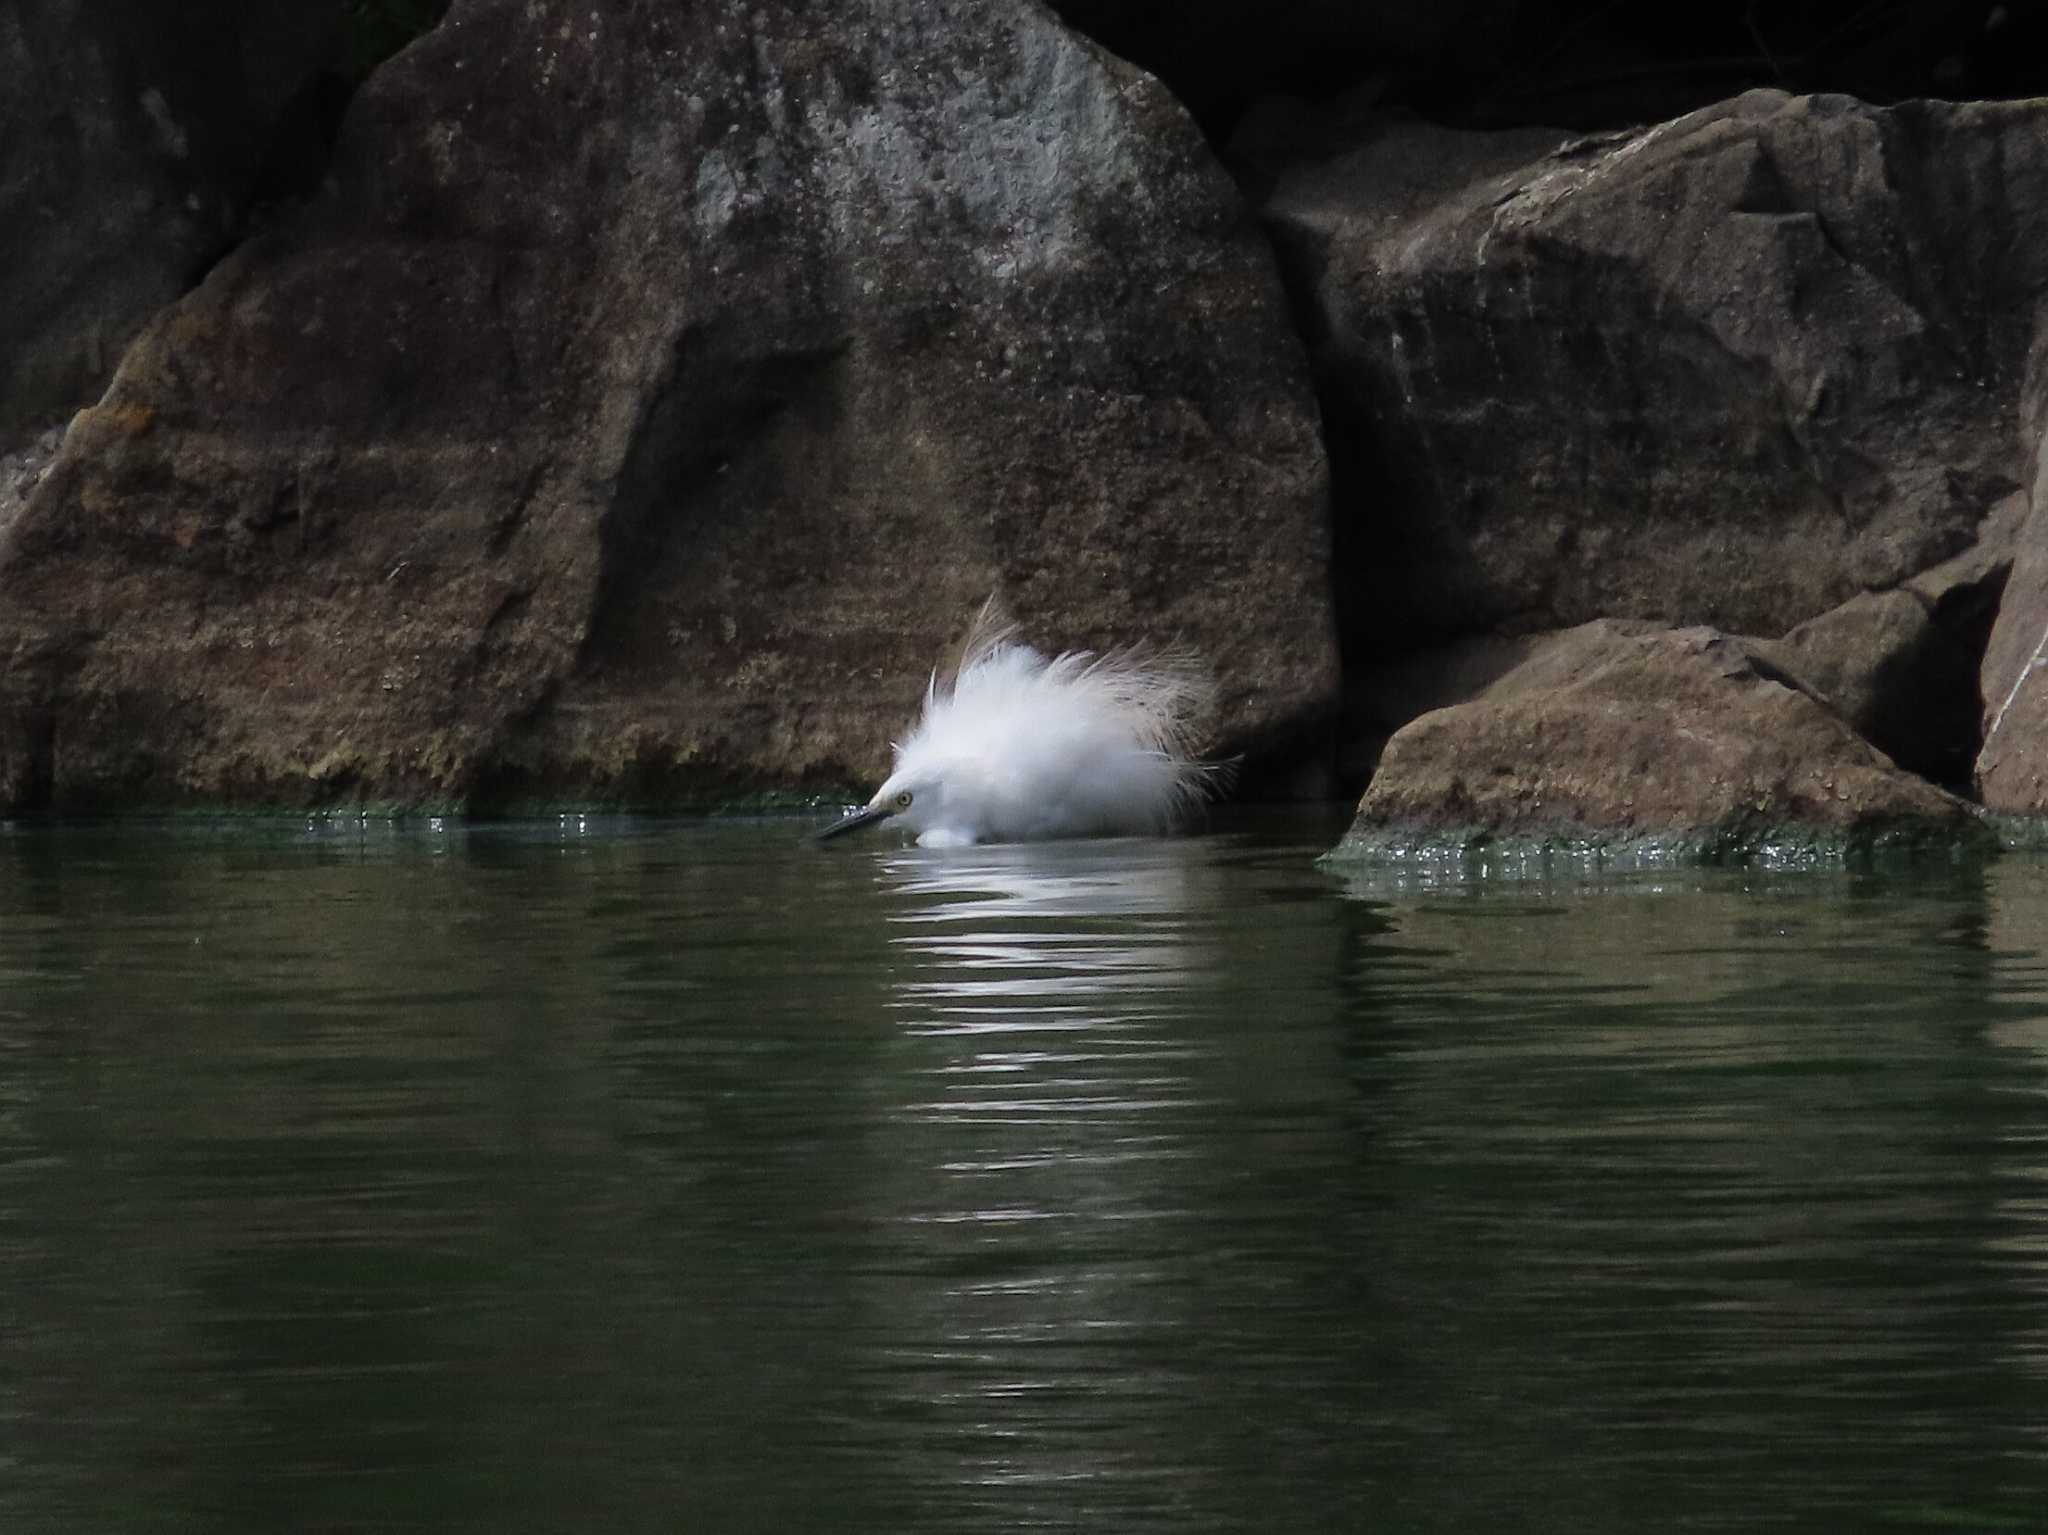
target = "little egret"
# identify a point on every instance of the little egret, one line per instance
(1016, 748)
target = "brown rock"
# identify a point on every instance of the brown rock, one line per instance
(656, 393)
(1737, 368)
(1901, 666)
(1618, 729)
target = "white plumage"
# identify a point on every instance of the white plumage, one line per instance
(1014, 747)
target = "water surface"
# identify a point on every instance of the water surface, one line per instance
(684, 1176)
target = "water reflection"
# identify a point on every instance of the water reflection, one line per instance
(1044, 990)
(1748, 1131)
(2018, 919)
(1023, 940)
(684, 1177)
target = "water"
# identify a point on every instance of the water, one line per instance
(648, 1176)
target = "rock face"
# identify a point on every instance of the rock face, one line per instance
(2012, 766)
(651, 393)
(656, 391)
(132, 138)
(1736, 369)
(22, 470)
(1625, 729)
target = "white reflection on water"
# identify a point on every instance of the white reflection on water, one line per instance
(1046, 936)
(1049, 997)
(1052, 968)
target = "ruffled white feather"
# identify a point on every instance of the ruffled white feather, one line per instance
(1015, 747)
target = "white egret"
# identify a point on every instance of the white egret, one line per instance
(1013, 747)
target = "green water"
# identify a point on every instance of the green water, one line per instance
(685, 1177)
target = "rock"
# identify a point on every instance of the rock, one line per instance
(655, 393)
(2012, 764)
(133, 136)
(1898, 679)
(1734, 369)
(1899, 667)
(1381, 697)
(1902, 666)
(1619, 730)
(22, 470)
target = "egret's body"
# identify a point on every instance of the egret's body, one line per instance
(1017, 748)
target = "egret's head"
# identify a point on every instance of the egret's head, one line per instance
(912, 798)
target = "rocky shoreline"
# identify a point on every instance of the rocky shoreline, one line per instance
(628, 406)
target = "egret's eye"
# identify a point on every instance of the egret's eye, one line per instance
(903, 800)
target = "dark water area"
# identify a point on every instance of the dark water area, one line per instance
(684, 1176)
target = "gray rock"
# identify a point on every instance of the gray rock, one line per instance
(1737, 368)
(657, 391)
(22, 470)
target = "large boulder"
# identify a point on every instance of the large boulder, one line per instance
(1899, 667)
(1621, 730)
(1734, 369)
(134, 137)
(655, 392)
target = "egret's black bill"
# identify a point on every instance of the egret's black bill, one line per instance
(853, 822)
